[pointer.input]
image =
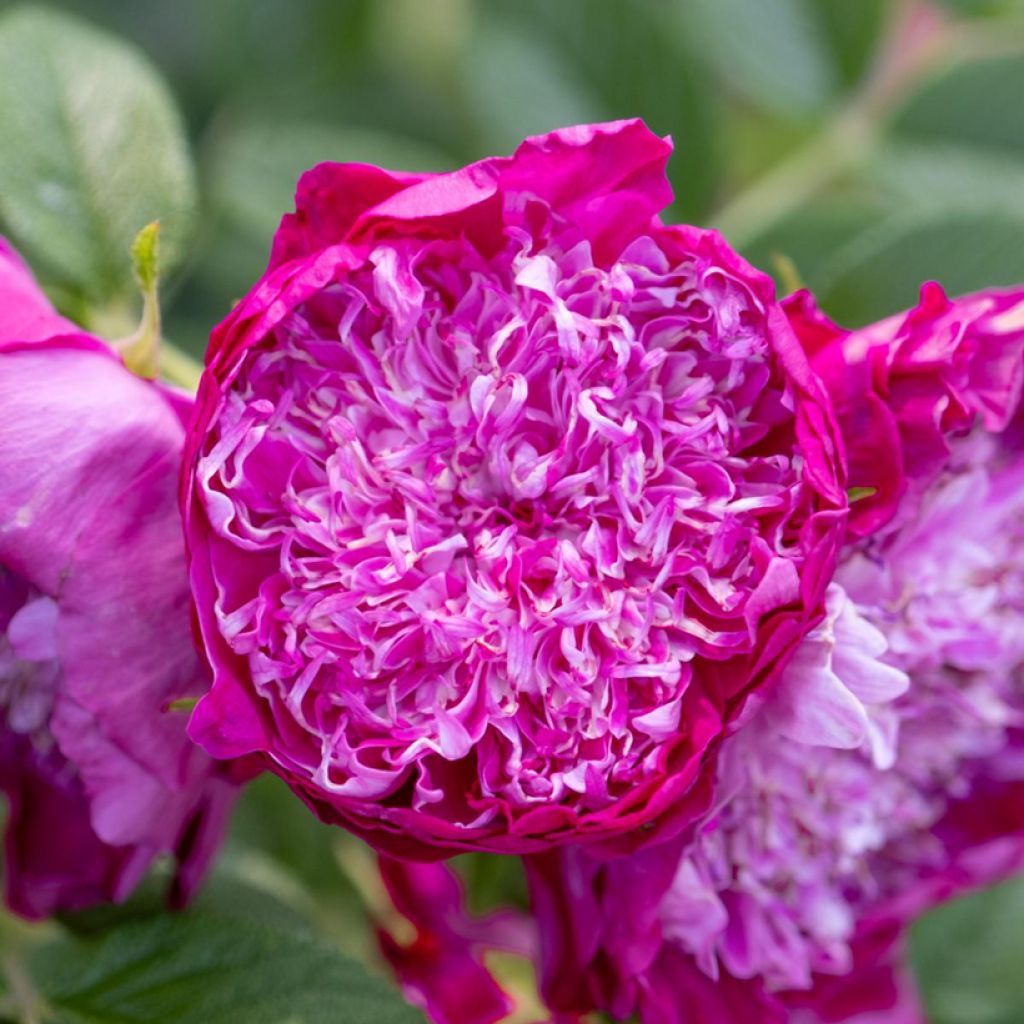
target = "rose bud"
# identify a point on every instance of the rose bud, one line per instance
(94, 621)
(503, 499)
(884, 772)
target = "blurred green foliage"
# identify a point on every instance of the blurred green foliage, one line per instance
(906, 115)
(869, 144)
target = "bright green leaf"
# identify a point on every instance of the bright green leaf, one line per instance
(855, 494)
(145, 253)
(93, 151)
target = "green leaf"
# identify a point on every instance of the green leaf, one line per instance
(201, 969)
(141, 349)
(93, 151)
(775, 54)
(947, 175)
(879, 272)
(853, 31)
(968, 956)
(493, 881)
(981, 8)
(272, 823)
(855, 494)
(519, 84)
(810, 239)
(976, 102)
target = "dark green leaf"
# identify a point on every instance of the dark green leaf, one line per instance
(493, 881)
(93, 150)
(202, 969)
(811, 238)
(981, 8)
(269, 817)
(947, 175)
(853, 31)
(253, 165)
(967, 955)
(251, 169)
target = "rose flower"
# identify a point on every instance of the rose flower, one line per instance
(94, 621)
(502, 499)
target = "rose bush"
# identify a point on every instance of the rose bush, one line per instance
(94, 621)
(503, 499)
(883, 773)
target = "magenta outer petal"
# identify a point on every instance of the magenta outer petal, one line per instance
(25, 312)
(89, 458)
(42, 530)
(609, 178)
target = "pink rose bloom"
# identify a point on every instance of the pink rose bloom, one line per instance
(94, 621)
(502, 498)
(884, 772)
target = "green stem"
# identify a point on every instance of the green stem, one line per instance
(845, 142)
(25, 1001)
(917, 38)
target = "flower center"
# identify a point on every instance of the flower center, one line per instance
(500, 506)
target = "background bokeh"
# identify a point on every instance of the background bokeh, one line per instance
(857, 146)
(871, 143)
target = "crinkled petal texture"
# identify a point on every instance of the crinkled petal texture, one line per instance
(502, 499)
(881, 775)
(94, 631)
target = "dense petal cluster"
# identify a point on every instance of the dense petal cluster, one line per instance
(504, 497)
(882, 773)
(94, 624)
